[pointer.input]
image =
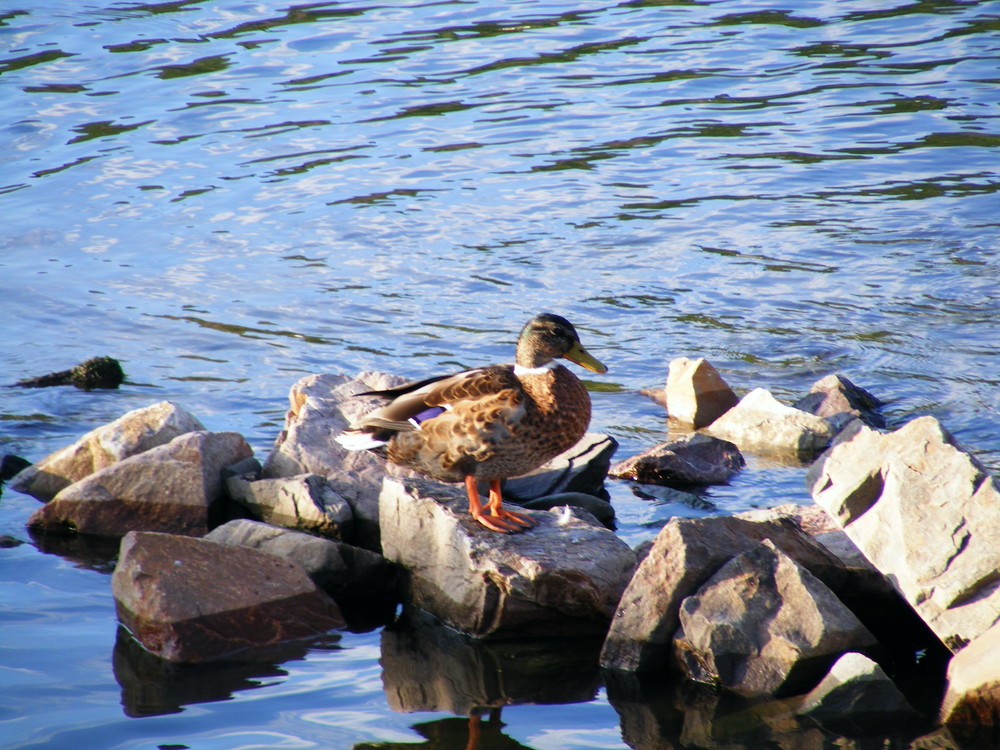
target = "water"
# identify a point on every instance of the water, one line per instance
(226, 196)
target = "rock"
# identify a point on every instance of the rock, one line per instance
(582, 469)
(926, 514)
(8, 542)
(171, 488)
(689, 459)
(130, 434)
(191, 600)
(764, 625)
(601, 510)
(306, 502)
(91, 374)
(343, 571)
(696, 394)
(834, 396)
(322, 406)
(759, 422)
(856, 688)
(684, 555)
(973, 694)
(564, 576)
(11, 466)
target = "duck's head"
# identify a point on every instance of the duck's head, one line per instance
(547, 337)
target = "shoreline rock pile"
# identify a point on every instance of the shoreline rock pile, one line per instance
(827, 608)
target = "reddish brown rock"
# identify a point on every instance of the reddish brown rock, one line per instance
(170, 488)
(689, 459)
(191, 600)
(130, 434)
(835, 397)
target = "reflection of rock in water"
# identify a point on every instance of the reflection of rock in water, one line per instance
(83, 550)
(427, 666)
(152, 686)
(474, 733)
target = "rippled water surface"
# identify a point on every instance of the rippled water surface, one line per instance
(226, 196)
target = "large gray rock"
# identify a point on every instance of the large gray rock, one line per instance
(688, 459)
(759, 422)
(696, 394)
(856, 688)
(321, 407)
(343, 571)
(305, 501)
(764, 625)
(191, 600)
(926, 514)
(564, 576)
(171, 488)
(684, 555)
(132, 433)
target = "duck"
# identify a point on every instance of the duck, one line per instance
(488, 423)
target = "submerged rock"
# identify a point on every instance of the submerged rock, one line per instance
(764, 625)
(562, 577)
(689, 459)
(696, 394)
(835, 397)
(856, 688)
(130, 434)
(760, 422)
(926, 514)
(171, 488)
(91, 374)
(306, 502)
(191, 600)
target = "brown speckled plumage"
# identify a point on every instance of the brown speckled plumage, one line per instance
(499, 421)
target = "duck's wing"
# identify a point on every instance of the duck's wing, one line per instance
(412, 403)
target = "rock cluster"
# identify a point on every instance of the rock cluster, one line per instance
(818, 609)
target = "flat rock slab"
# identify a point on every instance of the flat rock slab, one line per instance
(564, 576)
(581, 468)
(130, 434)
(759, 422)
(694, 459)
(305, 501)
(763, 625)
(170, 488)
(190, 600)
(685, 554)
(926, 514)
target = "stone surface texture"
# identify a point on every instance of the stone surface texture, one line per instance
(972, 697)
(761, 423)
(685, 554)
(764, 625)
(343, 571)
(926, 514)
(132, 433)
(689, 459)
(304, 501)
(171, 488)
(564, 576)
(696, 393)
(191, 600)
